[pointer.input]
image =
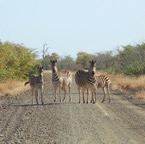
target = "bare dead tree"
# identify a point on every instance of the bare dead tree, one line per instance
(44, 51)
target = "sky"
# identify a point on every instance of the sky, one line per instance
(72, 26)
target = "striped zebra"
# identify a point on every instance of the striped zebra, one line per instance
(85, 80)
(104, 82)
(36, 84)
(60, 81)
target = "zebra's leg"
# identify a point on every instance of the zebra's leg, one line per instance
(64, 94)
(33, 92)
(69, 93)
(42, 96)
(104, 91)
(36, 95)
(93, 90)
(92, 97)
(54, 93)
(79, 94)
(108, 91)
(95, 95)
(87, 95)
(60, 94)
(83, 95)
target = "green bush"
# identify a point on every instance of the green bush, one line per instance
(16, 61)
(134, 69)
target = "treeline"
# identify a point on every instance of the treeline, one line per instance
(128, 60)
(18, 62)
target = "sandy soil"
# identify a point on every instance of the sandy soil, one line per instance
(121, 122)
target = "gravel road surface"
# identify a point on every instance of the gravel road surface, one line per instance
(120, 122)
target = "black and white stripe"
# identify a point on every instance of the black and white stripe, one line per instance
(36, 84)
(86, 79)
(104, 82)
(60, 81)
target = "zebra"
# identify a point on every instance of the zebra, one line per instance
(36, 84)
(60, 81)
(85, 79)
(104, 82)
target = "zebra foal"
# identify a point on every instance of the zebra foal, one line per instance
(60, 81)
(36, 84)
(104, 82)
(85, 80)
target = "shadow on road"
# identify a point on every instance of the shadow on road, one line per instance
(48, 104)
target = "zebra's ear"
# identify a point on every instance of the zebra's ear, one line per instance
(93, 72)
(94, 61)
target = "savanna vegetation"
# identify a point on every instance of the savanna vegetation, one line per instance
(16, 61)
(126, 64)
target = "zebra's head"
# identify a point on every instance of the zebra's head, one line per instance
(54, 65)
(40, 70)
(92, 67)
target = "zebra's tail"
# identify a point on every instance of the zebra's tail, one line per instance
(27, 82)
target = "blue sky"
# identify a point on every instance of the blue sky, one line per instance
(71, 26)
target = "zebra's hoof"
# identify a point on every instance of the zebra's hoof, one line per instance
(103, 101)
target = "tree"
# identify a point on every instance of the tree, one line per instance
(83, 59)
(104, 60)
(44, 53)
(16, 61)
(131, 59)
(54, 56)
(66, 63)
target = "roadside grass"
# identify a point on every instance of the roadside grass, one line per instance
(11, 88)
(135, 85)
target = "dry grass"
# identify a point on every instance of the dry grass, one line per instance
(11, 88)
(129, 83)
(47, 71)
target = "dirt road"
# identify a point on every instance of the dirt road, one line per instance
(120, 122)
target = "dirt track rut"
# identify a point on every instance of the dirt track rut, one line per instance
(120, 122)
